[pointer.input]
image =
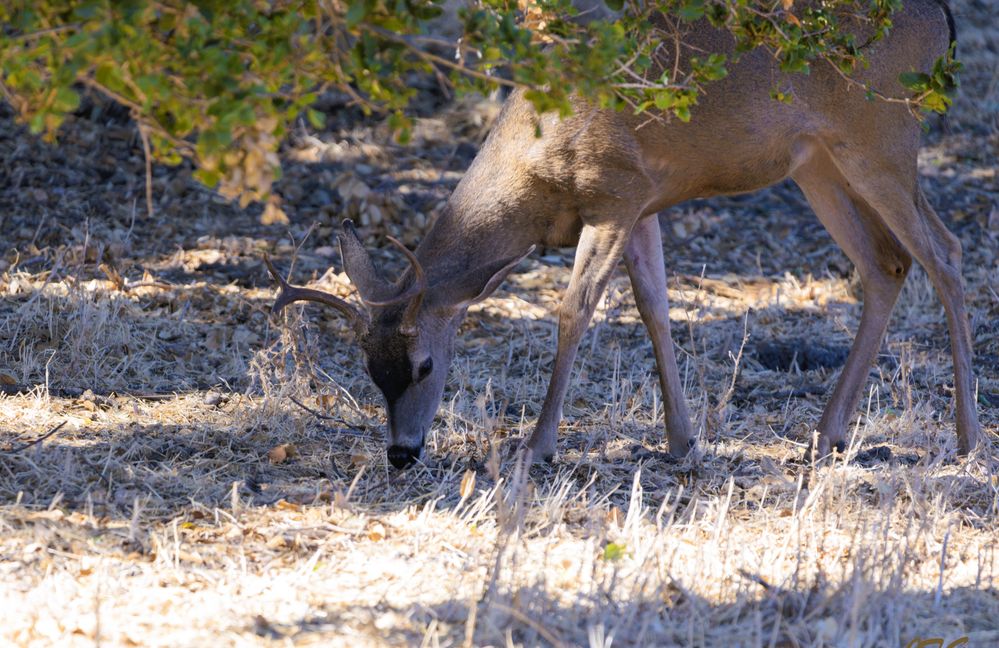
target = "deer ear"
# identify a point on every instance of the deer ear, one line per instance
(476, 285)
(358, 266)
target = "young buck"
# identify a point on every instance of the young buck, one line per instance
(597, 179)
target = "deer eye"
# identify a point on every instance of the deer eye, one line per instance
(425, 368)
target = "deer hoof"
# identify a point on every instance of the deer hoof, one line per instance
(825, 450)
(968, 439)
(539, 455)
(680, 448)
(402, 457)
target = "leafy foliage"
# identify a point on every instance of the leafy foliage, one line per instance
(220, 82)
(934, 90)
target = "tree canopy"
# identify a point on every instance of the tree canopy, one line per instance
(220, 82)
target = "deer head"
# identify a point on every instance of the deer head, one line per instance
(406, 331)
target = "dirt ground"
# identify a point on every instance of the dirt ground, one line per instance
(216, 477)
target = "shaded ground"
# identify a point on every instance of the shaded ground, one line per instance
(189, 499)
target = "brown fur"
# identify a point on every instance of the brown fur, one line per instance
(596, 179)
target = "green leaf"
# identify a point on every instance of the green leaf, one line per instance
(427, 12)
(401, 126)
(614, 551)
(692, 10)
(356, 13)
(208, 178)
(316, 118)
(936, 102)
(781, 96)
(108, 75)
(37, 124)
(664, 99)
(66, 100)
(916, 81)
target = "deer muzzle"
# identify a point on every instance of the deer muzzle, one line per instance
(403, 456)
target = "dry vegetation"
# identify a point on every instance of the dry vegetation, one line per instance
(220, 478)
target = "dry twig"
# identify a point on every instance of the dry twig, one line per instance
(25, 446)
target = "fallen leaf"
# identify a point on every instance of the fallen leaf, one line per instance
(7, 379)
(614, 516)
(273, 215)
(243, 335)
(78, 518)
(190, 556)
(376, 532)
(315, 515)
(467, 484)
(214, 339)
(280, 454)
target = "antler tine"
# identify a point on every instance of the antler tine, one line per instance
(289, 293)
(414, 292)
(408, 326)
(421, 278)
(279, 303)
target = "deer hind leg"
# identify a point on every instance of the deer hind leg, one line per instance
(946, 254)
(892, 191)
(644, 258)
(597, 254)
(882, 264)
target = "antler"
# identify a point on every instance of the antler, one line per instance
(413, 294)
(289, 293)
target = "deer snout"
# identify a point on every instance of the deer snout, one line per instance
(403, 456)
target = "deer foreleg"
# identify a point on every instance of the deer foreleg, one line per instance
(599, 249)
(644, 259)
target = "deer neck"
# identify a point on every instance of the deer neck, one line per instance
(473, 230)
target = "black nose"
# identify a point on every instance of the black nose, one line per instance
(401, 456)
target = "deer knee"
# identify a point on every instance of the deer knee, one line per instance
(953, 251)
(944, 266)
(573, 317)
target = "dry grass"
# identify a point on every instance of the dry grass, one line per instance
(188, 500)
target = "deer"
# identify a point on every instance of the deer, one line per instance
(598, 178)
